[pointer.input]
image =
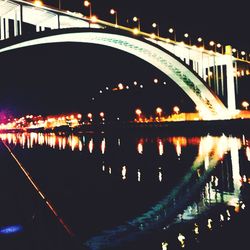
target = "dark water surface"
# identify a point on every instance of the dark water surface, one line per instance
(124, 192)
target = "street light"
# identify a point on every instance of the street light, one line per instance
(220, 46)
(156, 26)
(245, 104)
(243, 53)
(90, 116)
(88, 5)
(138, 113)
(159, 112)
(114, 12)
(186, 35)
(102, 116)
(235, 51)
(172, 31)
(176, 109)
(199, 39)
(137, 19)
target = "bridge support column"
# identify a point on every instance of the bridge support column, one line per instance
(20, 19)
(2, 28)
(231, 103)
(15, 24)
(7, 29)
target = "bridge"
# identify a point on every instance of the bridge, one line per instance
(206, 76)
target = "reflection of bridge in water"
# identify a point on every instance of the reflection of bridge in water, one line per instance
(206, 76)
(212, 152)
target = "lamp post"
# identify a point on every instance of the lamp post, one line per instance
(176, 110)
(245, 105)
(88, 5)
(156, 26)
(243, 53)
(138, 113)
(186, 35)
(159, 113)
(114, 12)
(172, 31)
(138, 21)
(200, 39)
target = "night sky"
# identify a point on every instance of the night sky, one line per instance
(63, 78)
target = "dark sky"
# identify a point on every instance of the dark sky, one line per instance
(64, 77)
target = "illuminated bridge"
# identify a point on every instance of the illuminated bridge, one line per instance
(206, 76)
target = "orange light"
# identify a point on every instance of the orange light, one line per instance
(138, 112)
(159, 110)
(79, 116)
(94, 19)
(90, 115)
(120, 86)
(102, 114)
(38, 3)
(86, 3)
(176, 109)
(136, 31)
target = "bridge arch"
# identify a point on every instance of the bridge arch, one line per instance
(210, 106)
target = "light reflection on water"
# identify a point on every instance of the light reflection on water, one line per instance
(203, 159)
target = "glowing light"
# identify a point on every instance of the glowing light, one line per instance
(38, 3)
(94, 19)
(159, 110)
(135, 18)
(176, 109)
(199, 39)
(160, 175)
(136, 31)
(120, 86)
(11, 229)
(91, 146)
(160, 147)
(164, 245)
(186, 35)
(154, 25)
(221, 217)
(196, 228)
(140, 147)
(209, 223)
(248, 153)
(171, 30)
(152, 35)
(90, 115)
(181, 238)
(178, 148)
(103, 146)
(87, 3)
(112, 11)
(138, 112)
(156, 80)
(124, 172)
(139, 175)
(245, 104)
(211, 43)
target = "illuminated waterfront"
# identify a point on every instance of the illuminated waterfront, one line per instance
(112, 191)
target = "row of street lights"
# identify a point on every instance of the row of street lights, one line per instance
(240, 55)
(172, 31)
